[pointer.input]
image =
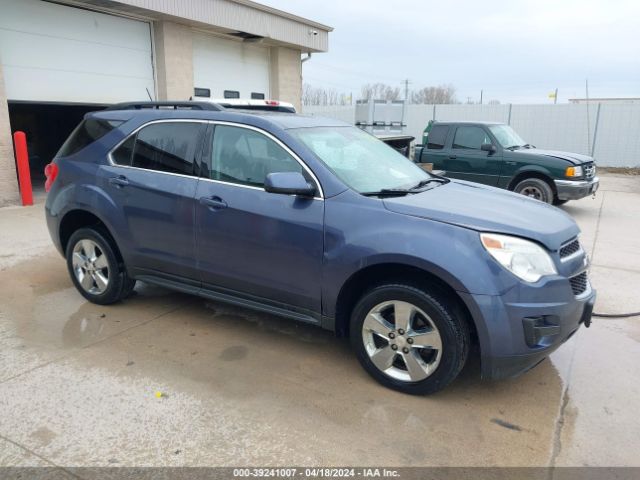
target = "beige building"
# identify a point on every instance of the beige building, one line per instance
(59, 60)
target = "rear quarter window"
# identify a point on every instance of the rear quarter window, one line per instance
(86, 133)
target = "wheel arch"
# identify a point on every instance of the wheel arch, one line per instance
(78, 218)
(540, 174)
(373, 275)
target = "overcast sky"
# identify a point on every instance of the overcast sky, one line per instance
(515, 50)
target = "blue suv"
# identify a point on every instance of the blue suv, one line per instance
(318, 221)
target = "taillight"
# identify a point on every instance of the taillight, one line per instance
(273, 103)
(51, 172)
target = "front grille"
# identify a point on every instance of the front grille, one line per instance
(570, 248)
(579, 283)
(589, 170)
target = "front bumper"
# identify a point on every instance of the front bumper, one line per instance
(576, 189)
(520, 334)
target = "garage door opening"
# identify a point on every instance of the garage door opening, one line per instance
(47, 126)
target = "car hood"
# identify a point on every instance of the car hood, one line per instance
(488, 209)
(574, 158)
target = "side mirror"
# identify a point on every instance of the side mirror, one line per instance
(289, 183)
(489, 147)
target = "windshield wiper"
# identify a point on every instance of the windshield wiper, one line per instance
(513, 147)
(528, 145)
(424, 183)
(388, 192)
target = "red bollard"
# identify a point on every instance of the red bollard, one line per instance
(24, 175)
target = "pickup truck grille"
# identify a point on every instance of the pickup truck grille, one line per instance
(579, 283)
(570, 248)
(589, 171)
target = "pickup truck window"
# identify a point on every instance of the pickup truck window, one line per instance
(506, 136)
(437, 137)
(470, 138)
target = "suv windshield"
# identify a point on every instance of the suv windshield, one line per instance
(360, 160)
(506, 136)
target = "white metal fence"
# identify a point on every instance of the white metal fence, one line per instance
(611, 133)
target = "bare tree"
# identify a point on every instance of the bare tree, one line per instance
(435, 95)
(380, 91)
(322, 96)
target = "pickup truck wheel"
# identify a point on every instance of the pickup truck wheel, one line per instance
(95, 269)
(409, 339)
(535, 188)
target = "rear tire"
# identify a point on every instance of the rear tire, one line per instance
(408, 339)
(535, 188)
(95, 269)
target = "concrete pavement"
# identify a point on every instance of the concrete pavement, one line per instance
(78, 381)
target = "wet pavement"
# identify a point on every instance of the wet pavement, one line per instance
(169, 379)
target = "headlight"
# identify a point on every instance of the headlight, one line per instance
(573, 172)
(525, 259)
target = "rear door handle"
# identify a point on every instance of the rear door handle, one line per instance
(213, 203)
(119, 181)
(452, 157)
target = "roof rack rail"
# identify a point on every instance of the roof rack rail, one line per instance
(166, 105)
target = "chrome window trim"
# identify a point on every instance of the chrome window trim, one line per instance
(215, 122)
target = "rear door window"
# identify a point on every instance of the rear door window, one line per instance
(437, 137)
(169, 147)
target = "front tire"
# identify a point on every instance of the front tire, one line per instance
(95, 269)
(408, 339)
(535, 188)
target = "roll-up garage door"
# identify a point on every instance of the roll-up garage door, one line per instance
(55, 53)
(239, 68)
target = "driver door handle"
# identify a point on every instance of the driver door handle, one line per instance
(452, 157)
(213, 203)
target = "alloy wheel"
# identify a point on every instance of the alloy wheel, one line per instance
(91, 267)
(402, 341)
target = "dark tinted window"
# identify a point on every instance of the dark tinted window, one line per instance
(202, 92)
(86, 133)
(168, 147)
(246, 157)
(122, 155)
(231, 94)
(437, 137)
(470, 138)
(257, 96)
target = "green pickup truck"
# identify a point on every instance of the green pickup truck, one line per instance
(494, 154)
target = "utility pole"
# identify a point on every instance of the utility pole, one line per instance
(555, 97)
(586, 87)
(481, 92)
(406, 90)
